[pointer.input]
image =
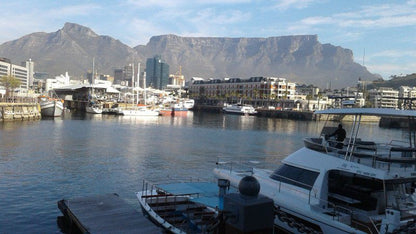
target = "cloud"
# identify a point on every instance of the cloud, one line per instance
(369, 16)
(297, 4)
(180, 4)
(394, 54)
(141, 31)
(388, 69)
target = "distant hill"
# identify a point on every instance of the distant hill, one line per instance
(299, 58)
(396, 81)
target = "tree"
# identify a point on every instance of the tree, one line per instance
(10, 83)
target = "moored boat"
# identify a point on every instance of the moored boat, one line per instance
(239, 109)
(188, 103)
(175, 109)
(352, 186)
(51, 107)
(140, 111)
(94, 108)
(181, 207)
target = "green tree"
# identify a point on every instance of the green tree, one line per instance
(309, 97)
(10, 83)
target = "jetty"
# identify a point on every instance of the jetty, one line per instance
(19, 111)
(106, 213)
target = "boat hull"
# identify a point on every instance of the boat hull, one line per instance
(140, 112)
(93, 110)
(51, 108)
(174, 112)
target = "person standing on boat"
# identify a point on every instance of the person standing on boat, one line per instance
(340, 134)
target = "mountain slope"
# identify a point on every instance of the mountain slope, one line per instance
(299, 58)
(71, 48)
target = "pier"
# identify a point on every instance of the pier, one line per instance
(19, 111)
(106, 213)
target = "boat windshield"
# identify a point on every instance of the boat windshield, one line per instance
(296, 176)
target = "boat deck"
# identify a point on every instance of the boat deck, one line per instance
(105, 214)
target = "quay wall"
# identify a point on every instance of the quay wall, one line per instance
(19, 111)
(282, 114)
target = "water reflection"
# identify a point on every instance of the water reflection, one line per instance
(44, 161)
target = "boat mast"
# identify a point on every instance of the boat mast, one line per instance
(138, 82)
(144, 87)
(132, 79)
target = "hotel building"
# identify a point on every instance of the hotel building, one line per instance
(254, 88)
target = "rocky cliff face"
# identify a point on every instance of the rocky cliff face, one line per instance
(299, 58)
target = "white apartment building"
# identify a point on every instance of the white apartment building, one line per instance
(384, 97)
(254, 88)
(407, 96)
(20, 72)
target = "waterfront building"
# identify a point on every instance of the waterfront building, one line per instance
(157, 73)
(20, 72)
(384, 97)
(407, 97)
(177, 80)
(57, 82)
(254, 88)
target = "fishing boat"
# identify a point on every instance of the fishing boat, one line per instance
(51, 106)
(181, 207)
(174, 109)
(239, 109)
(354, 186)
(94, 108)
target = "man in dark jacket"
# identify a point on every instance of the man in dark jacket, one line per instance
(340, 134)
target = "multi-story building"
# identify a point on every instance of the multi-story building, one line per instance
(384, 97)
(407, 97)
(20, 72)
(157, 73)
(254, 88)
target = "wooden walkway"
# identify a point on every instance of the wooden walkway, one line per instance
(104, 214)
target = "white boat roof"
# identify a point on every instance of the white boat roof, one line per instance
(368, 111)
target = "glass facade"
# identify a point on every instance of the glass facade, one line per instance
(157, 73)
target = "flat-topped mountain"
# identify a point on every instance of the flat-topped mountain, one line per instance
(301, 58)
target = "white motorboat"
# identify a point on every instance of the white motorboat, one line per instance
(140, 111)
(188, 103)
(50, 106)
(358, 187)
(94, 108)
(240, 109)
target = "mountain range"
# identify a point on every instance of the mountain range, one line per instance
(299, 58)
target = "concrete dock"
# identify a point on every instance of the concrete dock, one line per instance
(106, 213)
(19, 111)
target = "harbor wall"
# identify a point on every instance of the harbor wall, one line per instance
(282, 114)
(19, 111)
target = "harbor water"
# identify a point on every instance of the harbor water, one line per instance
(80, 155)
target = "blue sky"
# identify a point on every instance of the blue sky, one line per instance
(381, 34)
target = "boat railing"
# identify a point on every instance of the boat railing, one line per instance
(381, 155)
(333, 209)
(157, 195)
(240, 166)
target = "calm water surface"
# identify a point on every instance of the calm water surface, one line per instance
(44, 161)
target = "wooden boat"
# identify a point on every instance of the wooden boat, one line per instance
(181, 207)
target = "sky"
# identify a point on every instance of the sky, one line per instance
(380, 33)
